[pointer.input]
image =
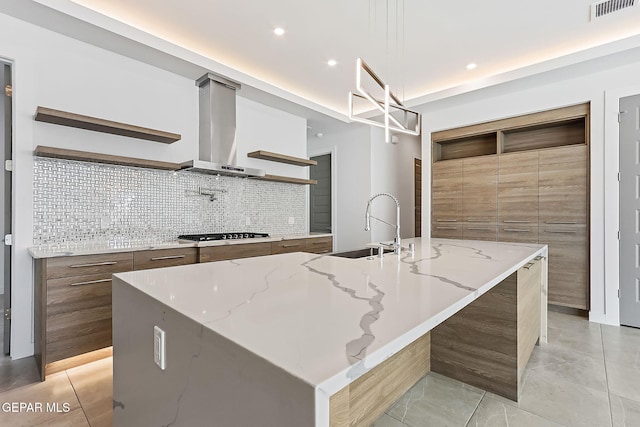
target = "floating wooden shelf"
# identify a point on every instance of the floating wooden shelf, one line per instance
(288, 179)
(84, 156)
(49, 115)
(282, 158)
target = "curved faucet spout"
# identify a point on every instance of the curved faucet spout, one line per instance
(368, 216)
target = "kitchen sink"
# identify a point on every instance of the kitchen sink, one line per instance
(359, 253)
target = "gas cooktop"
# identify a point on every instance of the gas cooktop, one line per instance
(220, 236)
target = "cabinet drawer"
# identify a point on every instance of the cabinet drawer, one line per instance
(89, 264)
(74, 346)
(568, 265)
(144, 260)
(241, 250)
(480, 232)
(77, 293)
(286, 246)
(78, 323)
(319, 245)
(446, 231)
(518, 233)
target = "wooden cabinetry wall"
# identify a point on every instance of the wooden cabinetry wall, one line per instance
(523, 179)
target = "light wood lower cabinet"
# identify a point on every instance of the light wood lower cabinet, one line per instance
(288, 246)
(479, 232)
(235, 251)
(73, 304)
(319, 245)
(518, 233)
(568, 264)
(446, 231)
(143, 260)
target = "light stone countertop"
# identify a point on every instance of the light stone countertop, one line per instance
(115, 246)
(328, 320)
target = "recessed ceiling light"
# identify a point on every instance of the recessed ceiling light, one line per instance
(278, 31)
(471, 66)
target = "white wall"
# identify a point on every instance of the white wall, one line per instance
(55, 71)
(392, 171)
(351, 149)
(583, 83)
(264, 128)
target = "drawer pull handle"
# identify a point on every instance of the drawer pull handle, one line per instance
(515, 222)
(160, 258)
(561, 222)
(529, 265)
(476, 220)
(90, 282)
(95, 264)
(562, 231)
(480, 229)
(291, 246)
(319, 243)
(446, 228)
(517, 230)
(447, 220)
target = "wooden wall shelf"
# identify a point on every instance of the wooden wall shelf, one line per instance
(282, 158)
(288, 179)
(84, 156)
(49, 115)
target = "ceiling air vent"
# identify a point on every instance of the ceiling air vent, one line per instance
(606, 7)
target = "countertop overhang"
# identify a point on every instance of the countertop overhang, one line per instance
(328, 320)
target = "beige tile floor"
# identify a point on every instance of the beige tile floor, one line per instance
(587, 375)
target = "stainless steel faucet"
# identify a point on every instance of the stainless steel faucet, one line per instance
(368, 216)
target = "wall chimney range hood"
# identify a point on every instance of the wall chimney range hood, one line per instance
(217, 152)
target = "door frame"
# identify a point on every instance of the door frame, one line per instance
(7, 221)
(334, 191)
(609, 301)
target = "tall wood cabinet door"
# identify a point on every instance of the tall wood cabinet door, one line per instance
(562, 178)
(518, 190)
(568, 264)
(479, 190)
(446, 192)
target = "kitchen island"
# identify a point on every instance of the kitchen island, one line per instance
(314, 340)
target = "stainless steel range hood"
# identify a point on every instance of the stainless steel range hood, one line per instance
(217, 141)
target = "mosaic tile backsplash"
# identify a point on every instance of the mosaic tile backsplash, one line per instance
(76, 202)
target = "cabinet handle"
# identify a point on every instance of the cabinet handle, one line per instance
(476, 220)
(291, 245)
(447, 220)
(480, 229)
(515, 222)
(562, 231)
(529, 265)
(318, 243)
(160, 258)
(90, 282)
(561, 222)
(445, 228)
(516, 230)
(95, 264)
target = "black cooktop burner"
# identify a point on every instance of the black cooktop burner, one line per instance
(220, 236)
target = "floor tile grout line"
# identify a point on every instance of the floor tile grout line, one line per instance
(484, 393)
(606, 376)
(77, 397)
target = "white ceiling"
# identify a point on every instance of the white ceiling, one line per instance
(440, 38)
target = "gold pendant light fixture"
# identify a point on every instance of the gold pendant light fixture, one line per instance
(396, 118)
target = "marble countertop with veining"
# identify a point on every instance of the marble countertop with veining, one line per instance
(327, 320)
(125, 245)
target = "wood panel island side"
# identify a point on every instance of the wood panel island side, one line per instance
(302, 339)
